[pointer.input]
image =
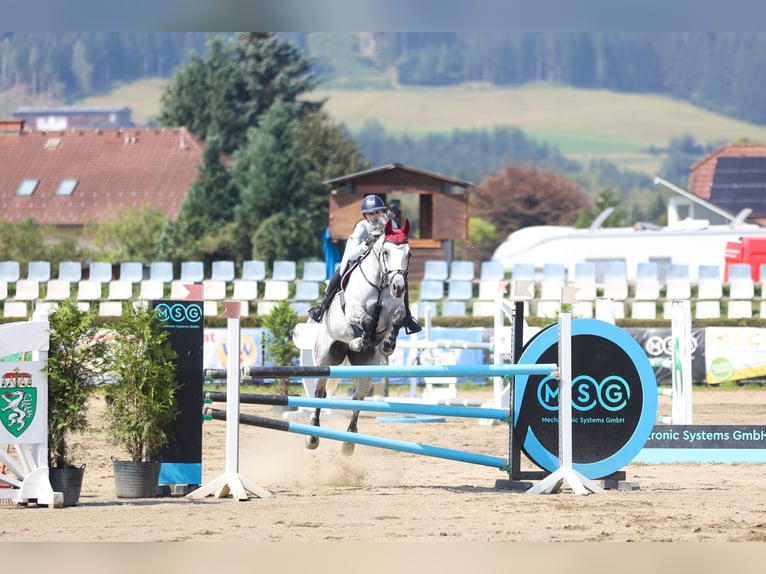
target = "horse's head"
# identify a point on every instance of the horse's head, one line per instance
(395, 256)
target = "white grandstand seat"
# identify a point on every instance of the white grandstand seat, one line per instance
(523, 272)
(10, 271)
(435, 270)
(253, 270)
(210, 308)
(222, 271)
(647, 291)
(314, 271)
(120, 290)
(301, 308)
(552, 283)
(709, 292)
(491, 289)
(245, 290)
(431, 290)
(741, 292)
(213, 289)
(27, 290)
(161, 271)
(100, 271)
(306, 291)
(616, 286)
(3, 290)
(483, 309)
(741, 284)
(15, 309)
(453, 309)
(584, 282)
(132, 271)
(421, 309)
(39, 271)
(70, 271)
(192, 272)
(110, 308)
(459, 290)
(88, 290)
(178, 289)
(58, 290)
(491, 271)
(678, 286)
(151, 290)
(265, 307)
(461, 271)
(275, 290)
(283, 270)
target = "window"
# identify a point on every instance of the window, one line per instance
(66, 187)
(27, 187)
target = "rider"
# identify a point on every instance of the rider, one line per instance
(367, 230)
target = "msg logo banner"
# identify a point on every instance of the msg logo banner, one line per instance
(23, 403)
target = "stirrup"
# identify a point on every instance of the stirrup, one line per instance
(412, 326)
(316, 312)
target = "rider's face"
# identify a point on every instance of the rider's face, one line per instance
(376, 217)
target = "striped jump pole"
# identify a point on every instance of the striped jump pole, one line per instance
(368, 440)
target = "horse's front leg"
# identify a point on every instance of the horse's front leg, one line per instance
(398, 317)
(364, 343)
(320, 393)
(362, 389)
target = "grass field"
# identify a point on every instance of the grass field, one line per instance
(581, 123)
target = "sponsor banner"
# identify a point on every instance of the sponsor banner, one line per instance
(658, 344)
(669, 444)
(216, 349)
(23, 403)
(735, 354)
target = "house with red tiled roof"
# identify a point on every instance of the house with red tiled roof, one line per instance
(72, 177)
(733, 177)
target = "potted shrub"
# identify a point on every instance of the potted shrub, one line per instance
(278, 345)
(76, 359)
(140, 403)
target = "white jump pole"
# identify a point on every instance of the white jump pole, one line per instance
(566, 471)
(231, 481)
(681, 327)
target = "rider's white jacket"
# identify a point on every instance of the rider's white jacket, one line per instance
(357, 244)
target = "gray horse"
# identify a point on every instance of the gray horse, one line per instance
(362, 322)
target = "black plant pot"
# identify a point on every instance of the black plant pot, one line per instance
(68, 481)
(135, 479)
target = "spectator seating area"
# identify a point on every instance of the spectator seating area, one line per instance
(447, 289)
(462, 288)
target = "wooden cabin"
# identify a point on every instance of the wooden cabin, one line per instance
(436, 205)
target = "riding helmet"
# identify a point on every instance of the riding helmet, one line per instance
(372, 203)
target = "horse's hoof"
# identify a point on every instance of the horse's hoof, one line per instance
(348, 448)
(355, 345)
(312, 442)
(388, 350)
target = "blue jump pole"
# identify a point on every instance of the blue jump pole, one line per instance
(367, 371)
(376, 406)
(367, 440)
(349, 371)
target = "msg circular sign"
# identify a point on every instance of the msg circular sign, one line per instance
(614, 399)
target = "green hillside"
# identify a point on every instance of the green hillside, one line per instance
(581, 123)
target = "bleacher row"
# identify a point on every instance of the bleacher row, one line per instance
(108, 286)
(447, 289)
(451, 289)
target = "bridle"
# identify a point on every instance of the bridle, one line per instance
(385, 276)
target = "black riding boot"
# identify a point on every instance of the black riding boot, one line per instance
(411, 325)
(317, 311)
